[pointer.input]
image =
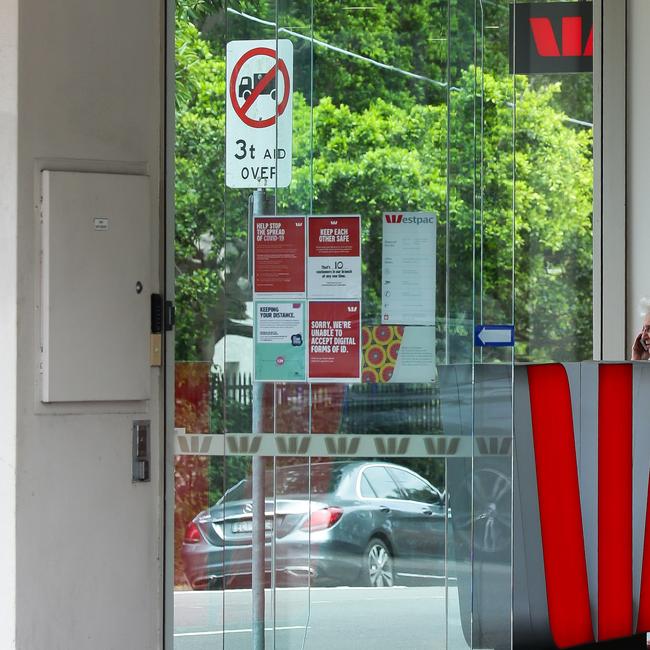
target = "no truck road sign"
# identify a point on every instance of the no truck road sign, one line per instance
(259, 87)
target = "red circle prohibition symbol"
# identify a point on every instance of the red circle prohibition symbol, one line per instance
(242, 109)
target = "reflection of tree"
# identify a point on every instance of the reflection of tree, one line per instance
(191, 485)
(377, 141)
(407, 35)
(349, 159)
(191, 477)
(192, 396)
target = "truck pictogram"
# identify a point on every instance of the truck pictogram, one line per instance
(248, 84)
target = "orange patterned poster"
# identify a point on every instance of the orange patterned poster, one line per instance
(398, 354)
(381, 345)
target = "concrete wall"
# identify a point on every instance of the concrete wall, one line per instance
(609, 85)
(8, 303)
(638, 162)
(88, 540)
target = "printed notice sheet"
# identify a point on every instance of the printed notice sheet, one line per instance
(335, 341)
(280, 341)
(279, 255)
(334, 260)
(409, 268)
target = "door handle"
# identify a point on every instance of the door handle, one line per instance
(385, 509)
(427, 512)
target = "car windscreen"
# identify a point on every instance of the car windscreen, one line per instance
(292, 481)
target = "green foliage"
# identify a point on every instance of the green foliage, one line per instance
(363, 162)
(368, 155)
(554, 231)
(200, 86)
(408, 36)
(207, 268)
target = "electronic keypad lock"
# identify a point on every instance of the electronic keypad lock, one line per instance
(141, 450)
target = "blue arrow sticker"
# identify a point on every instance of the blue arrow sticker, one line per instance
(498, 336)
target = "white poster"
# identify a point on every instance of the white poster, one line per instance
(416, 358)
(409, 268)
(280, 322)
(334, 258)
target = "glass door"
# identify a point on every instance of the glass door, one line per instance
(342, 449)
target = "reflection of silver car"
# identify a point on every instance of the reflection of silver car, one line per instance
(337, 522)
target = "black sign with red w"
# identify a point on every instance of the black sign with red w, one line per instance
(551, 37)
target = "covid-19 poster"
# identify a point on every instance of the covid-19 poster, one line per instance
(307, 298)
(279, 255)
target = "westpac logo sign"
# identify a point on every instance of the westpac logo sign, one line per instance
(417, 219)
(551, 37)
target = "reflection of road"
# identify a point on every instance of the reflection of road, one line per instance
(344, 618)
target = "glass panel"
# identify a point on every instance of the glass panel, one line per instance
(382, 483)
(415, 489)
(554, 213)
(337, 481)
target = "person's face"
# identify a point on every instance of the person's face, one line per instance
(645, 332)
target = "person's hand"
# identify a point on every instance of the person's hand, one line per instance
(639, 350)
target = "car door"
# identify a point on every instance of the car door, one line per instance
(390, 503)
(421, 530)
(381, 494)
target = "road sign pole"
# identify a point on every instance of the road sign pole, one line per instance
(259, 498)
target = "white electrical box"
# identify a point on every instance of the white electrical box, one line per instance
(96, 285)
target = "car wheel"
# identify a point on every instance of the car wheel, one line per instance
(379, 571)
(486, 525)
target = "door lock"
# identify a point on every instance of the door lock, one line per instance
(141, 451)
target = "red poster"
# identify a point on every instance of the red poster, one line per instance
(335, 340)
(279, 254)
(334, 237)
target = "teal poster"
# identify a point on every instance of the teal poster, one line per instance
(280, 340)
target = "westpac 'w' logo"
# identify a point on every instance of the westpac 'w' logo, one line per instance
(293, 445)
(194, 444)
(392, 446)
(493, 445)
(243, 444)
(547, 45)
(551, 37)
(570, 543)
(441, 446)
(342, 445)
(394, 218)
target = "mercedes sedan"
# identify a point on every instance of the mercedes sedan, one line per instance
(362, 522)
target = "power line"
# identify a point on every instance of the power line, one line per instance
(340, 50)
(379, 64)
(580, 122)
